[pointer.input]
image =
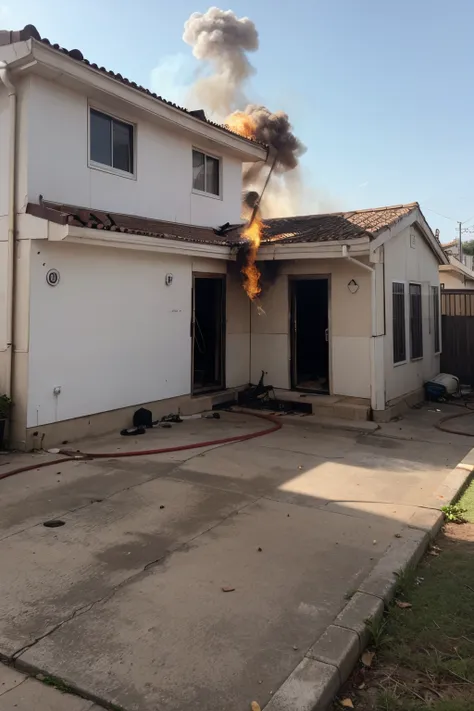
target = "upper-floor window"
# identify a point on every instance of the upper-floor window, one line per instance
(206, 173)
(110, 142)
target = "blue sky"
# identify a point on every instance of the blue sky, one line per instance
(380, 92)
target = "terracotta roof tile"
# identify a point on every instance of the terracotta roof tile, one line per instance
(30, 32)
(287, 230)
(132, 224)
(334, 226)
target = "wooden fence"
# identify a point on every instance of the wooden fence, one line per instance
(457, 324)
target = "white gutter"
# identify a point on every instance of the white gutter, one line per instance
(312, 250)
(345, 254)
(377, 397)
(11, 266)
(107, 238)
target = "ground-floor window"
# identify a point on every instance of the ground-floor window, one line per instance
(416, 322)
(398, 309)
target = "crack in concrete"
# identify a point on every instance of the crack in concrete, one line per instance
(76, 613)
(4, 693)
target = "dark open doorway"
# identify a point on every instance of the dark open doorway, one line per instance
(208, 331)
(310, 334)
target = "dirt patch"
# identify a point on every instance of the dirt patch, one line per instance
(455, 535)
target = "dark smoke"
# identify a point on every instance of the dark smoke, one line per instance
(222, 39)
(275, 130)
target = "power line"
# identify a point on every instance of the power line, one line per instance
(440, 215)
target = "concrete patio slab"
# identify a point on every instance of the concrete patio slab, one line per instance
(66, 569)
(178, 617)
(126, 602)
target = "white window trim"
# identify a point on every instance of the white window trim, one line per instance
(204, 193)
(407, 329)
(94, 165)
(420, 284)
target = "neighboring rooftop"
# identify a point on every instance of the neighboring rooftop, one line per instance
(336, 225)
(29, 32)
(457, 266)
(449, 245)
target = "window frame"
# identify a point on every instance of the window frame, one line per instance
(204, 193)
(435, 289)
(95, 165)
(396, 363)
(416, 357)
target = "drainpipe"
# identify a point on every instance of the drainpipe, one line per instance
(6, 80)
(373, 374)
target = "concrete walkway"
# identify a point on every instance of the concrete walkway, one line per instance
(18, 692)
(200, 579)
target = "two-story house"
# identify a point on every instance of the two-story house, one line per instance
(100, 320)
(119, 280)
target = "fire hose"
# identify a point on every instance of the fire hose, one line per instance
(441, 425)
(85, 456)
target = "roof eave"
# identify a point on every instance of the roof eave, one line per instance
(330, 249)
(105, 238)
(57, 230)
(50, 63)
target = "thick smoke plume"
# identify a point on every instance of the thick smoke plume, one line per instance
(223, 40)
(273, 129)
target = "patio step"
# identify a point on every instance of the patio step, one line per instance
(331, 406)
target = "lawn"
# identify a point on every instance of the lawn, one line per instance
(424, 648)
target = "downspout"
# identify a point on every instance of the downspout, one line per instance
(11, 270)
(373, 374)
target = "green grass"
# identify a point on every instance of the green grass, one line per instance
(467, 502)
(424, 655)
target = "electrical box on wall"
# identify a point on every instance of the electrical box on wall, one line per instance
(168, 279)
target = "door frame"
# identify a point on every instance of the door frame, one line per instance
(292, 278)
(223, 327)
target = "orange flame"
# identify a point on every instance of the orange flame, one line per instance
(241, 123)
(253, 232)
(244, 125)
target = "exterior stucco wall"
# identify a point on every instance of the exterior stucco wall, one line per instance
(23, 249)
(349, 327)
(111, 334)
(238, 330)
(58, 163)
(454, 280)
(409, 260)
(4, 149)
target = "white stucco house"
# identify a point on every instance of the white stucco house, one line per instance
(120, 283)
(457, 274)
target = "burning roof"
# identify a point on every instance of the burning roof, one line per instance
(339, 226)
